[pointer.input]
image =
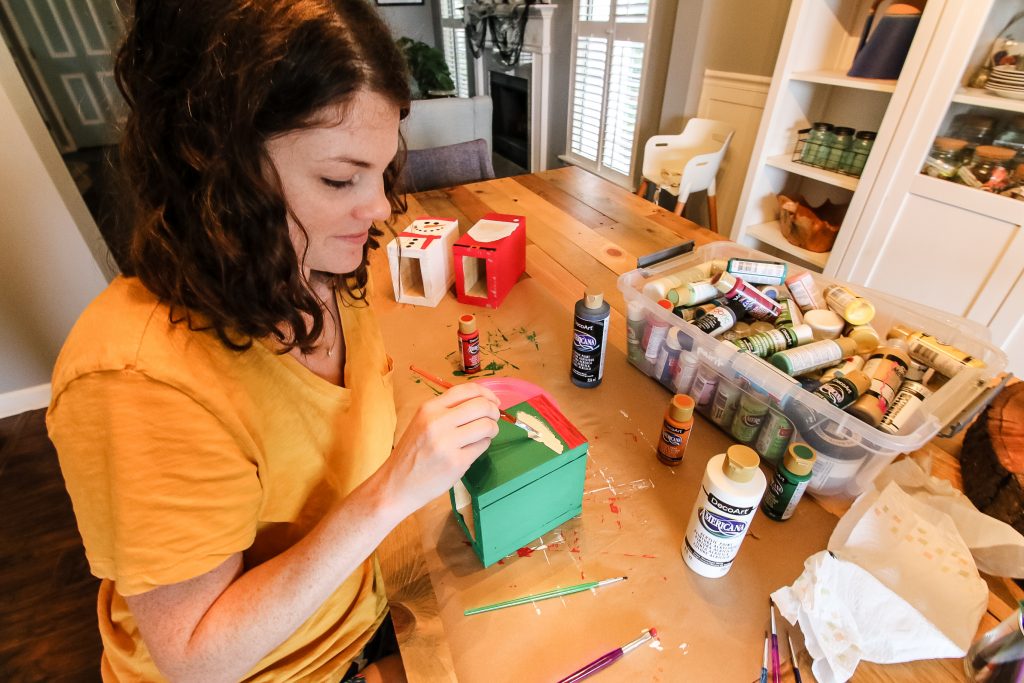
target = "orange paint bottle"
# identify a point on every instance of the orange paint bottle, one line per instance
(675, 432)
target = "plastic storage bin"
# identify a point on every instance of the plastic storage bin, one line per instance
(851, 453)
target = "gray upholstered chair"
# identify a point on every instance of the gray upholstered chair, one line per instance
(429, 169)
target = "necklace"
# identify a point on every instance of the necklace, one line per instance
(334, 322)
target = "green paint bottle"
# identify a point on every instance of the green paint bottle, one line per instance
(789, 483)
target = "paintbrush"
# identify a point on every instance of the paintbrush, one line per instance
(776, 673)
(505, 415)
(607, 660)
(764, 661)
(792, 658)
(557, 592)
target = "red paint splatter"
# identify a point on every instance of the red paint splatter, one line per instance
(582, 577)
(664, 578)
(618, 524)
(635, 440)
(646, 557)
(612, 506)
(575, 549)
(501, 561)
(524, 552)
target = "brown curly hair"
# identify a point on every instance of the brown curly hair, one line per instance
(207, 84)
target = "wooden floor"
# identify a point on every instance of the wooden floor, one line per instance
(47, 596)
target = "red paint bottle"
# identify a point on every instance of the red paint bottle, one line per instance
(469, 344)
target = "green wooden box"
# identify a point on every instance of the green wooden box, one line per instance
(519, 488)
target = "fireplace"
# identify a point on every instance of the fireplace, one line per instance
(510, 127)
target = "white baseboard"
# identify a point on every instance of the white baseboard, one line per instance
(16, 402)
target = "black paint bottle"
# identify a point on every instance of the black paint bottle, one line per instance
(589, 339)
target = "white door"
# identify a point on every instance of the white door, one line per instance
(69, 44)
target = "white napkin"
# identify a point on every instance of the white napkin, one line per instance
(905, 585)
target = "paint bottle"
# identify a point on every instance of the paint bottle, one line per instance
(789, 483)
(854, 309)
(675, 431)
(659, 288)
(655, 333)
(790, 314)
(692, 294)
(805, 291)
(635, 324)
(866, 337)
(826, 324)
(844, 390)
(765, 344)
(758, 272)
(704, 384)
(845, 368)
(776, 431)
(717, 320)
(751, 413)
(810, 357)
(756, 304)
(728, 498)
(773, 292)
(687, 370)
(759, 326)
(886, 367)
(908, 400)
(589, 339)
(723, 408)
(668, 357)
(945, 358)
(469, 344)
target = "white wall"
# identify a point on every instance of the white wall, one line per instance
(412, 21)
(738, 36)
(48, 271)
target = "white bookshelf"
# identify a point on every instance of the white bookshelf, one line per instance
(835, 77)
(983, 98)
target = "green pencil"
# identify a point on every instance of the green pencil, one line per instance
(558, 592)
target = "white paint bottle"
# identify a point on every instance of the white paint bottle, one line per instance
(728, 498)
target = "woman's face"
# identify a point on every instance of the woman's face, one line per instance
(333, 181)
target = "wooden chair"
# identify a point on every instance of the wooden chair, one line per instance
(685, 163)
(429, 169)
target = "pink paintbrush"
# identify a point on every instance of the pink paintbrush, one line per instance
(607, 660)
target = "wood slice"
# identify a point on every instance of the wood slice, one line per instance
(992, 458)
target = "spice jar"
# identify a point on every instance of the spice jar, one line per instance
(819, 138)
(853, 161)
(842, 140)
(990, 169)
(1013, 136)
(945, 158)
(976, 129)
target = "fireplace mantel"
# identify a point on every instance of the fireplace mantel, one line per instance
(536, 42)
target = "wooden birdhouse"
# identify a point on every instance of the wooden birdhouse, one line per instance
(521, 488)
(421, 260)
(489, 259)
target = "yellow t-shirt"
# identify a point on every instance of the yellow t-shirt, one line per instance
(179, 452)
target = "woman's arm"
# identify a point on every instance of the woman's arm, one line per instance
(218, 626)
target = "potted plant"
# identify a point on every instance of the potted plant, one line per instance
(428, 69)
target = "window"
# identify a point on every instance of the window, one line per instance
(611, 38)
(453, 38)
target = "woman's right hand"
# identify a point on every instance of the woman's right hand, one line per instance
(445, 436)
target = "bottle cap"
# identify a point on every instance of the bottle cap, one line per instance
(896, 344)
(761, 326)
(635, 311)
(916, 371)
(949, 144)
(467, 324)
(804, 334)
(799, 459)
(681, 408)
(867, 409)
(742, 329)
(725, 282)
(848, 346)
(866, 337)
(891, 349)
(672, 340)
(593, 298)
(900, 332)
(825, 324)
(666, 304)
(740, 463)
(860, 380)
(995, 153)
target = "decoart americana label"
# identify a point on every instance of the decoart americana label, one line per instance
(720, 526)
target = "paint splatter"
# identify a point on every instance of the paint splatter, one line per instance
(612, 506)
(644, 556)
(683, 647)
(525, 552)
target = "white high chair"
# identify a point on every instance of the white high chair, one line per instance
(685, 163)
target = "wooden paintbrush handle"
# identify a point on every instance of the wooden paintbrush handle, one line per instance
(448, 385)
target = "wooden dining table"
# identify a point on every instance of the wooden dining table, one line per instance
(584, 231)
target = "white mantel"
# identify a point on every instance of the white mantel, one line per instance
(537, 42)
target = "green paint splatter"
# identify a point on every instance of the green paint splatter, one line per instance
(532, 337)
(458, 373)
(502, 334)
(450, 355)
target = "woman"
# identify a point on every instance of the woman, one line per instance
(223, 412)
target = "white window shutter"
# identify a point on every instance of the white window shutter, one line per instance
(588, 96)
(623, 98)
